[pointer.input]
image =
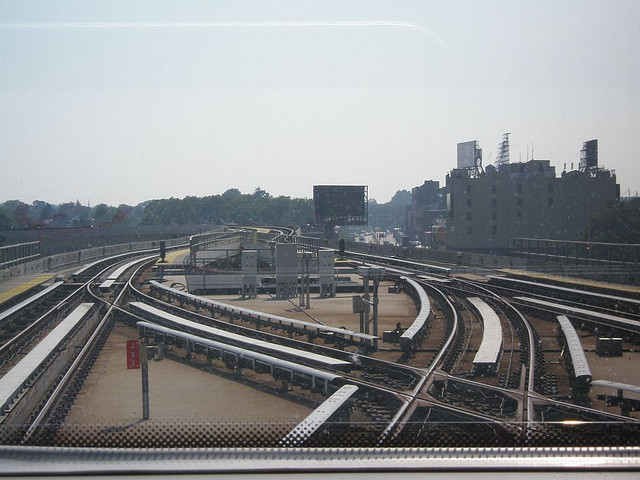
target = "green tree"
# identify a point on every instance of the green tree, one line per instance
(391, 214)
(121, 214)
(260, 193)
(232, 193)
(401, 197)
(5, 221)
(230, 207)
(102, 214)
(21, 216)
(619, 222)
(41, 211)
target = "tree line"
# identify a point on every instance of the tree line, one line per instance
(15, 214)
(230, 207)
(619, 222)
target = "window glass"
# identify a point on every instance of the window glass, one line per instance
(230, 225)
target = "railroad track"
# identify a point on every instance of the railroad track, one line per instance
(396, 404)
(19, 329)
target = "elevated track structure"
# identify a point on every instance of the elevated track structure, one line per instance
(471, 361)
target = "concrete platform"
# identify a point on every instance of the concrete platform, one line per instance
(174, 258)
(17, 286)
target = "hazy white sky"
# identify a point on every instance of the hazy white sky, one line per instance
(125, 101)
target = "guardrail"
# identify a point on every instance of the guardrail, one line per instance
(44, 264)
(11, 255)
(577, 252)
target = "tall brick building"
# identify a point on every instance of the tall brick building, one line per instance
(487, 210)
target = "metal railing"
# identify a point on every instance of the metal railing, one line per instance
(578, 252)
(11, 255)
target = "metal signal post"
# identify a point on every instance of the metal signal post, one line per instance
(145, 380)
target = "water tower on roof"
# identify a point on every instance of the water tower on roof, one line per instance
(503, 151)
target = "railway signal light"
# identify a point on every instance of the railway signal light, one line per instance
(163, 250)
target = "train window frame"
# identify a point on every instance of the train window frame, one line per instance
(523, 456)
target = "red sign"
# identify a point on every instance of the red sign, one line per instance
(133, 354)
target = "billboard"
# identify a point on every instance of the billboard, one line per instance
(341, 204)
(589, 155)
(469, 155)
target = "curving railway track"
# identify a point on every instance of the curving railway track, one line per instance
(429, 396)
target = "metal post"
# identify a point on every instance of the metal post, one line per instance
(145, 380)
(376, 283)
(272, 247)
(367, 298)
(308, 275)
(546, 250)
(301, 293)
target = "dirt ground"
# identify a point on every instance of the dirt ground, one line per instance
(178, 393)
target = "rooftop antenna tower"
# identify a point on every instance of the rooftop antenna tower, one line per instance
(503, 150)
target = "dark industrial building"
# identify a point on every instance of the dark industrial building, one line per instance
(484, 209)
(427, 207)
(487, 209)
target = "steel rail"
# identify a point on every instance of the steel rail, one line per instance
(429, 371)
(530, 385)
(81, 357)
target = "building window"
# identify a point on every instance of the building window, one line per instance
(468, 189)
(519, 202)
(519, 214)
(493, 189)
(468, 215)
(551, 188)
(469, 231)
(493, 216)
(494, 229)
(518, 188)
(469, 202)
(551, 201)
(494, 203)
